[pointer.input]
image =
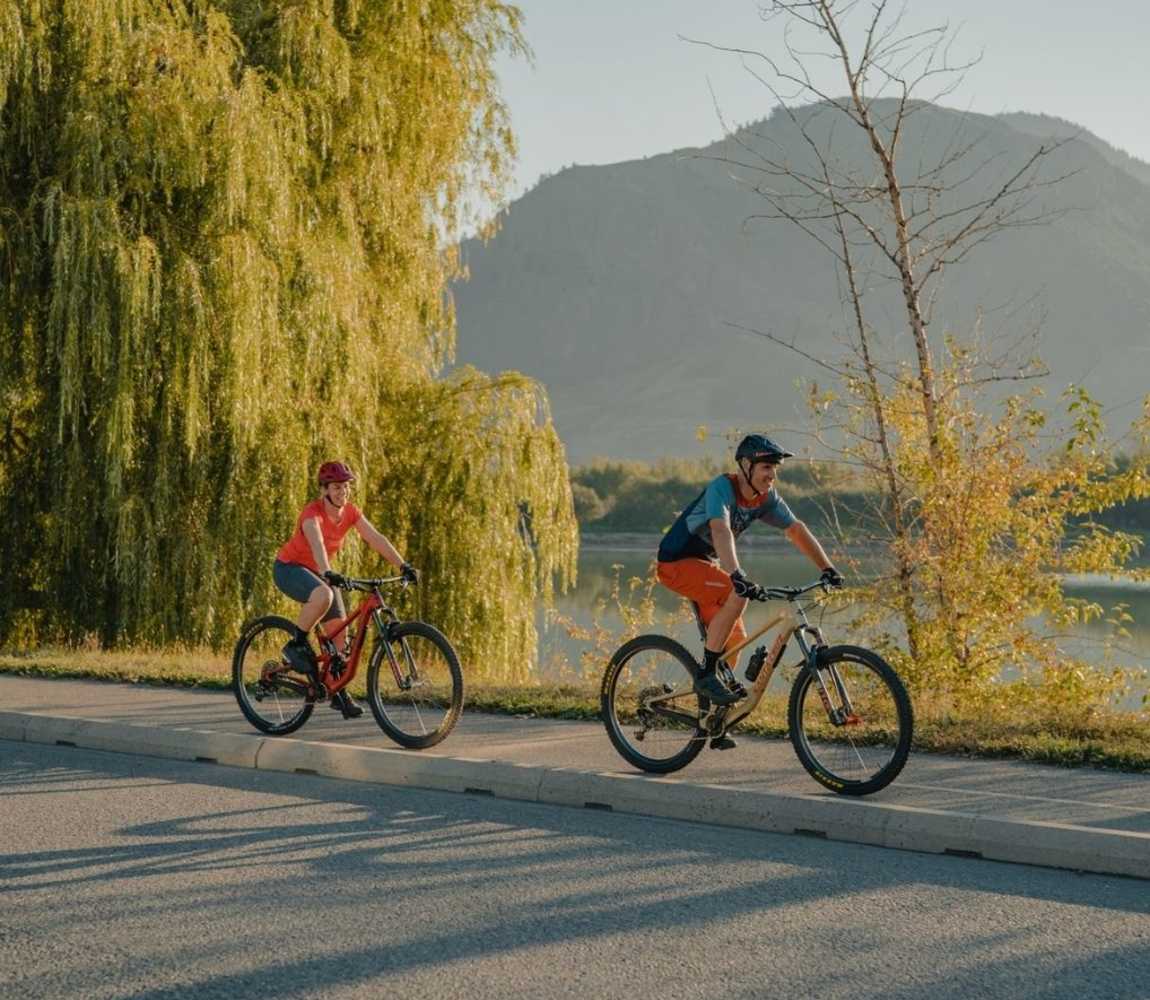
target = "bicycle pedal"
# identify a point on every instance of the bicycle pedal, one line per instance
(727, 676)
(712, 724)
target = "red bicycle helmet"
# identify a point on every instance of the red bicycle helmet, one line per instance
(335, 472)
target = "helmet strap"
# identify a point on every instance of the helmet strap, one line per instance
(748, 472)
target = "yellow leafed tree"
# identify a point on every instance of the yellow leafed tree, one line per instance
(978, 516)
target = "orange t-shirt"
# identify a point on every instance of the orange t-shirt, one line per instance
(297, 549)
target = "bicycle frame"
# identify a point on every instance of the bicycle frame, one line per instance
(794, 624)
(373, 606)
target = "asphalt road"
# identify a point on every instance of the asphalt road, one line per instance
(126, 876)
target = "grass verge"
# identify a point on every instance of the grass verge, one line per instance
(1117, 741)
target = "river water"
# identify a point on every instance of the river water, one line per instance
(773, 563)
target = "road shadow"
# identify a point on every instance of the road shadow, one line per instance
(371, 842)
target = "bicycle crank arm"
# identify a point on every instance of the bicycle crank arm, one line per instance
(717, 721)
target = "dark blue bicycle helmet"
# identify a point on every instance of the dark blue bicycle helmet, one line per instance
(760, 448)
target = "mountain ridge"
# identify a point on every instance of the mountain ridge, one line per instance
(617, 285)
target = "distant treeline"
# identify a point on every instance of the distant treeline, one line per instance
(1133, 516)
(645, 497)
(616, 497)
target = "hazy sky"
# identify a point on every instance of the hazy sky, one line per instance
(613, 81)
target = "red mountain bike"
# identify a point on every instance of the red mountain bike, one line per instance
(414, 682)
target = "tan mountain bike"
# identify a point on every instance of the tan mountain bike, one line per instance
(849, 717)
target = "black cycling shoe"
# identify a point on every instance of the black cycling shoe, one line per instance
(723, 742)
(709, 686)
(344, 702)
(735, 686)
(300, 658)
(727, 676)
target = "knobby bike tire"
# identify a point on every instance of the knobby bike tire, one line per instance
(394, 709)
(243, 654)
(809, 757)
(617, 728)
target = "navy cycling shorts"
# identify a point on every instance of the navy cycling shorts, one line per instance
(297, 581)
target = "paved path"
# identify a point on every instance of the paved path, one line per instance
(1009, 790)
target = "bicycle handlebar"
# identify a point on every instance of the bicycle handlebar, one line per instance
(370, 583)
(769, 593)
(792, 593)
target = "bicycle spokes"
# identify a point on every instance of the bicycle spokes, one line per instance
(652, 707)
(836, 700)
(272, 696)
(849, 721)
(662, 706)
(415, 685)
(281, 692)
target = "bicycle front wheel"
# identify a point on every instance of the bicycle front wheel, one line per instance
(272, 697)
(415, 685)
(649, 705)
(858, 742)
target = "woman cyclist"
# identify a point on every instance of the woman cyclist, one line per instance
(303, 564)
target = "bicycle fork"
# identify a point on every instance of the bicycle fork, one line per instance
(405, 679)
(844, 714)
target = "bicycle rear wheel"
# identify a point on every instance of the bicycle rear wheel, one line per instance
(858, 743)
(649, 706)
(272, 697)
(415, 685)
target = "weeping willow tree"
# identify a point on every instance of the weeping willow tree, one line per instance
(223, 259)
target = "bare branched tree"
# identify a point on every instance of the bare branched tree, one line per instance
(914, 228)
(894, 208)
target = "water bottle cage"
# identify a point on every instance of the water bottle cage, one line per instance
(755, 664)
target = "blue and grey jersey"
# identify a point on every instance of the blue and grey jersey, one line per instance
(690, 535)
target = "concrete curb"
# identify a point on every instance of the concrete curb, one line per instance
(179, 744)
(1080, 848)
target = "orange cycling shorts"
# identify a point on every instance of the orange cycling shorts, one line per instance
(705, 583)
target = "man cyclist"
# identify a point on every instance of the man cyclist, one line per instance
(303, 564)
(697, 556)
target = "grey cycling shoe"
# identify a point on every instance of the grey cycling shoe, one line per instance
(709, 686)
(723, 742)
